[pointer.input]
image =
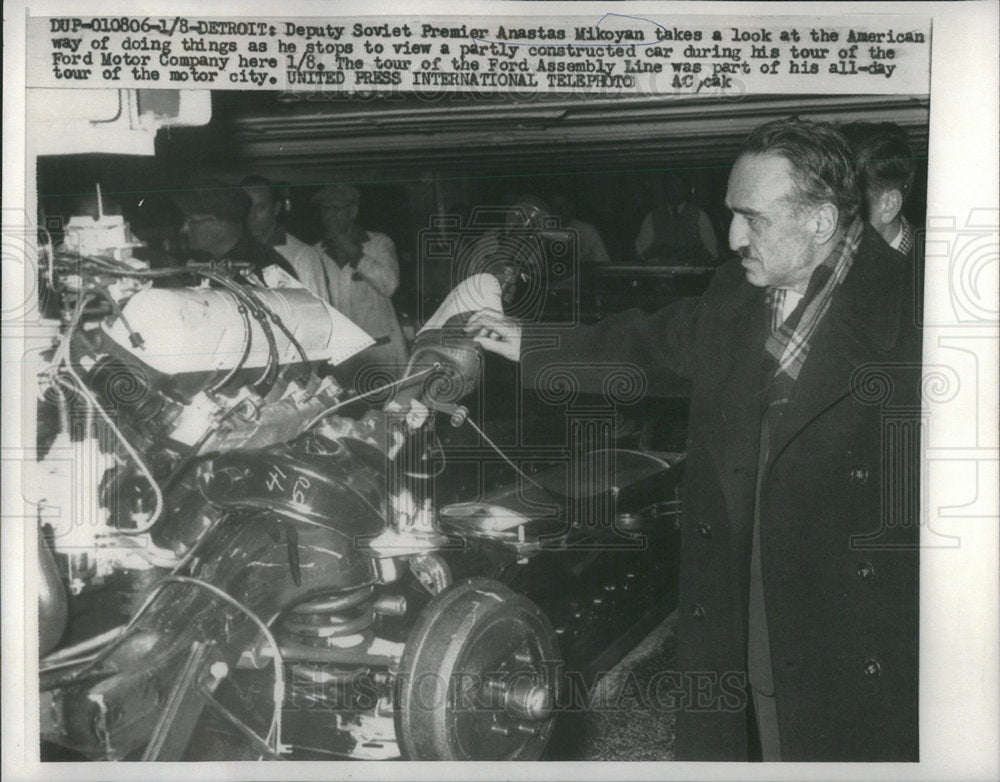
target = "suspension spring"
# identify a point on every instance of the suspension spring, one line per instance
(341, 620)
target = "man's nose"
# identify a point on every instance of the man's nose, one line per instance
(738, 232)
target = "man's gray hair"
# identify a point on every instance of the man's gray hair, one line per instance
(820, 158)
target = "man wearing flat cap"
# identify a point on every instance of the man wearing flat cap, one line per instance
(362, 273)
(214, 224)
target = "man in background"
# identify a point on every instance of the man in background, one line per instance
(362, 273)
(677, 232)
(885, 170)
(262, 223)
(214, 226)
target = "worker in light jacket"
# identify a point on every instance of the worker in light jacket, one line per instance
(361, 274)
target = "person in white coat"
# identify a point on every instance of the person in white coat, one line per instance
(362, 273)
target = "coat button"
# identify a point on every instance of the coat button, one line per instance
(872, 668)
(698, 611)
(859, 474)
(866, 570)
(704, 530)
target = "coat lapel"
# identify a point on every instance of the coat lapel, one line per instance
(861, 326)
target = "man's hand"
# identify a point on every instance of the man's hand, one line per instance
(497, 333)
(344, 249)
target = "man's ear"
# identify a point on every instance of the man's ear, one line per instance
(825, 219)
(889, 205)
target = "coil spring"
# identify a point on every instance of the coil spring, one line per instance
(340, 620)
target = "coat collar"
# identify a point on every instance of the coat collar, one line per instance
(862, 326)
(869, 304)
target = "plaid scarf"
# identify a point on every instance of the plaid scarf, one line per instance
(906, 238)
(787, 347)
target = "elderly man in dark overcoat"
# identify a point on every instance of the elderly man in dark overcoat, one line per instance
(798, 608)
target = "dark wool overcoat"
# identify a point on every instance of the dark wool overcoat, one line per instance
(838, 508)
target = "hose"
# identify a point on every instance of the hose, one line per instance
(504, 456)
(264, 383)
(244, 352)
(284, 329)
(157, 493)
(405, 379)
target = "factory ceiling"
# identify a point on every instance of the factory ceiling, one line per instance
(306, 137)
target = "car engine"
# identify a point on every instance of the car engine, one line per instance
(241, 558)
